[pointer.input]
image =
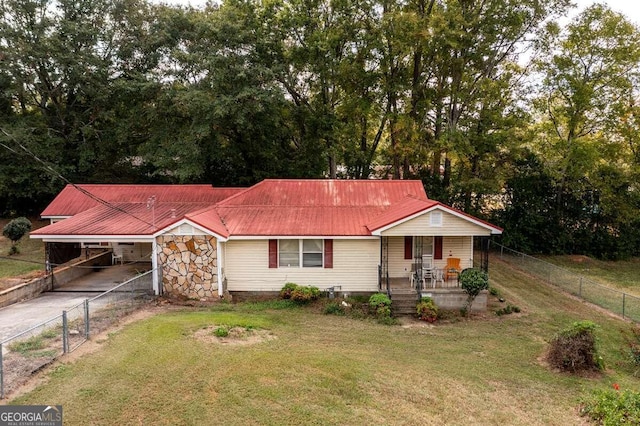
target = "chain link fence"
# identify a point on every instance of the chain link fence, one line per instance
(31, 350)
(615, 301)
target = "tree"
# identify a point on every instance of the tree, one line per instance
(590, 72)
(16, 229)
(473, 281)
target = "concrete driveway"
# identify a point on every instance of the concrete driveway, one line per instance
(24, 315)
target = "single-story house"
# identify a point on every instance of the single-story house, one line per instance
(357, 236)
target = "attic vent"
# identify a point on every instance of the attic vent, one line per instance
(436, 218)
(185, 229)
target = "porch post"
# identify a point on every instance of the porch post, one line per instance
(154, 267)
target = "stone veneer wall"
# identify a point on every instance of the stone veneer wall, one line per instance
(189, 266)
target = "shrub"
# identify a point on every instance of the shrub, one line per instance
(15, 230)
(381, 305)
(427, 310)
(574, 348)
(634, 348)
(287, 289)
(612, 407)
(334, 308)
(509, 309)
(494, 291)
(299, 293)
(473, 281)
(221, 331)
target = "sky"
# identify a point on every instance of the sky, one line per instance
(630, 8)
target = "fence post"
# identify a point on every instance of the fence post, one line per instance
(580, 288)
(65, 333)
(1, 374)
(86, 319)
(501, 250)
(623, 303)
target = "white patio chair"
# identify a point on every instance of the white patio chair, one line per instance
(117, 255)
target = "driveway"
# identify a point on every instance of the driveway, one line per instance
(24, 315)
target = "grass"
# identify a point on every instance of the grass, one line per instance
(621, 275)
(325, 369)
(31, 250)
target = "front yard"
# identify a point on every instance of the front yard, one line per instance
(311, 368)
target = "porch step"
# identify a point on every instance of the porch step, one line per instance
(403, 302)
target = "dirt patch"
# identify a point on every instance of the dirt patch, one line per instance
(238, 336)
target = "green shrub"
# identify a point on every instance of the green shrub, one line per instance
(334, 308)
(494, 291)
(221, 331)
(473, 281)
(634, 347)
(16, 229)
(287, 289)
(612, 407)
(574, 348)
(427, 310)
(381, 305)
(509, 309)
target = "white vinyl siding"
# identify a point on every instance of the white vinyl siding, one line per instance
(451, 225)
(355, 267)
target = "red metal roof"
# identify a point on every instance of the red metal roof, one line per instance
(407, 207)
(292, 207)
(269, 208)
(121, 219)
(71, 201)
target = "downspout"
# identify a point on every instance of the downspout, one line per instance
(154, 267)
(219, 262)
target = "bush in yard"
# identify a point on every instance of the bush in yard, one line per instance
(334, 308)
(612, 407)
(634, 348)
(15, 230)
(299, 293)
(287, 289)
(574, 348)
(381, 305)
(473, 281)
(427, 310)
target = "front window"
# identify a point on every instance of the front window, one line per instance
(312, 253)
(289, 253)
(293, 253)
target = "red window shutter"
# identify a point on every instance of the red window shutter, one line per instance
(328, 253)
(437, 247)
(408, 247)
(273, 253)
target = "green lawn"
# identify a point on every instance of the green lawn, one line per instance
(30, 251)
(622, 275)
(334, 370)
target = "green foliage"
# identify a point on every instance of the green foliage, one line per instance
(381, 306)
(16, 229)
(509, 309)
(473, 281)
(574, 349)
(494, 291)
(612, 407)
(633, 350)
(334, 308)
(299, 294)
(287, 289)
(427, 310)
(31, 344)
(221, 331)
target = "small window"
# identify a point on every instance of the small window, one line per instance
(436, 218)
(289, 253)
(312, 253)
